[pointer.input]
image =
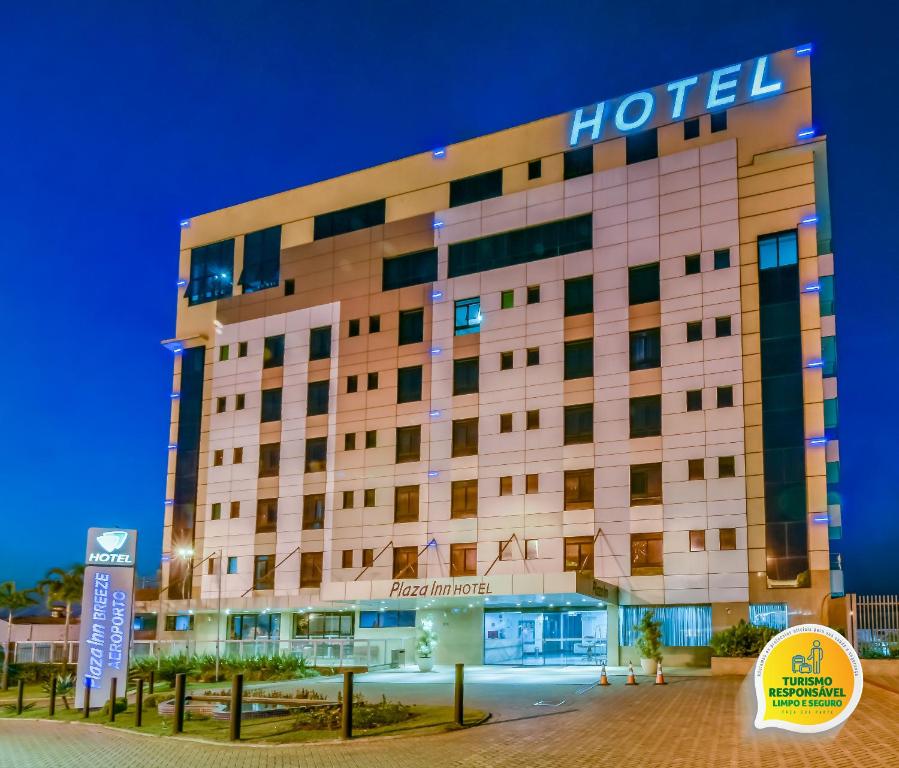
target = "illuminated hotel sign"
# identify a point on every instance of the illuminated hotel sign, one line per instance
(680, 99)
(440, 588)
(106, 609)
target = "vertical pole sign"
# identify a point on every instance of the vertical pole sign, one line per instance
(106, 609)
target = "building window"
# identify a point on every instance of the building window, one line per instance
(467, 316)
(531, 549)
(520, 246)
(352, 384)
(179, 622)
(505, 485)
(372, 381)
(692, 264)
(224, 352)
(237, 456)
(234, 511)
(463, 559)
(722, 327)
(269, 459)
(368, 558)
(386, 619)
(349, 499)
(533, 356)
(317, 398)
(411, 328)
(694, 399)
(507, 299)
(273, 351)
(645, 349)
(263, 572)
(211, 272)
(697, 541)
(691, 128)
(409, 269)
(578, 424)
(533, 294)
(826, 298)
(465, 437)
(778, 250)
(643, 284)
(310, 570)
(320, 343)
(408, 384)
(243, 348)
(240, 402)
(505, 422)
(232, 565)
(465, 376)
(727, 466)
(682, 625)
(266, 515)
(535, 169)
(829, 356)
(353, 330)
(368, 497)
(579, 295)
(725, 397)
(349, 441)
(464, 499)
(646, 554)
(218, 458)
(405, 504)
(694, 330)
(290, 286)
(374, 324)
(505, 361)
(408, 443)
(316, 454)
(216, 511)
(505, 551)
(221, 404)
(577, 162)
(348, 219)
(578, 358)
(727, 538)
(646, 484)
(471, 189)
(532, 483)
(719, 121)
(405, 562)
(271, 405)
(641, 146)
(325, 624)
(722, 258)
(579, 489)
(371, 438)
(646, 416)
(533, 420)
(579, 554)
(774, 615)
(695, 469)
(313, 511)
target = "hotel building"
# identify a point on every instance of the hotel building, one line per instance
(524, 386)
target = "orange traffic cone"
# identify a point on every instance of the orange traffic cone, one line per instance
(631, 680)
(660, 678)
(603, 678)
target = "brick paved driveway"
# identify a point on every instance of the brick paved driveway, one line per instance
(700, 721)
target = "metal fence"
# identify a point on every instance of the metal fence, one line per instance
(874, 624)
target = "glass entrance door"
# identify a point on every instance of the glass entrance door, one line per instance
(542, 638)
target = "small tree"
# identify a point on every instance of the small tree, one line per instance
(427, 639)
(742, 639)
(650, 640)
(12, 600)
(61, 586)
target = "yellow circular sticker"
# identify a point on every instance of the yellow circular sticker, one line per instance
(808, 679)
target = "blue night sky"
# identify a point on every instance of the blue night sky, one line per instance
(120, 119)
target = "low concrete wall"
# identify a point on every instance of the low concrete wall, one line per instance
(733, 665)
(881, 668)
(671, 656)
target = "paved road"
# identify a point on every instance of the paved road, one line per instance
(700, 721)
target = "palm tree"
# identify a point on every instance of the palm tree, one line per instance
(63, 586)
(12, 600)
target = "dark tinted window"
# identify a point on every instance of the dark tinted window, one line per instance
(408, 383)
(273, 352)
(646, 484)
(535, 169)
(211, 272)
(474, 188)
(578, 358)
(411, 327)
(719, 121)
(464, 499)
(694, 400)
(465, 437)
(408, 443)
(261, 259)
(642, 146)
(643, 284)
(645, 349)
(725, 397)
(320, 343)
(722, 326)
(691, 128)
(405, 504)
(313, 511)
(692, 264)
(694, 330)
(646, 416)
(578, 424)
(578, 162)
(269, 459)
(271, 404)
(722, 258)
(579, 489)
(409, 269)
(316, 454)
(521, 246)
(465, 376)
(579, 295)
(317, 398)
(349, 219)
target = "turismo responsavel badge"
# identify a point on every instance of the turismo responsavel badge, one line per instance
(808, 679)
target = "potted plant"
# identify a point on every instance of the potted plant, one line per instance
(424, 648)
(734, 650)
(649, 642)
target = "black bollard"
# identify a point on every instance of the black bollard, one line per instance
(460, 689)
(20, 697)
(180, 682)
(52, 695)
(113, 684)
(236, 707)
(87, 700)
(346, 713)
(139, 713)
(152, 680)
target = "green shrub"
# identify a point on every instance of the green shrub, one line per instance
(121, 704)
(742, 639)
(202, 667)
(650, 640)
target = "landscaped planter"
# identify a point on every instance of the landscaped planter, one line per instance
(733, 665)
(886, 667)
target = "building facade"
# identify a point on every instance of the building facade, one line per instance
(518, 389)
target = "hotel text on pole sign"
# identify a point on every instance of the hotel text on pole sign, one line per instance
(690, 96)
